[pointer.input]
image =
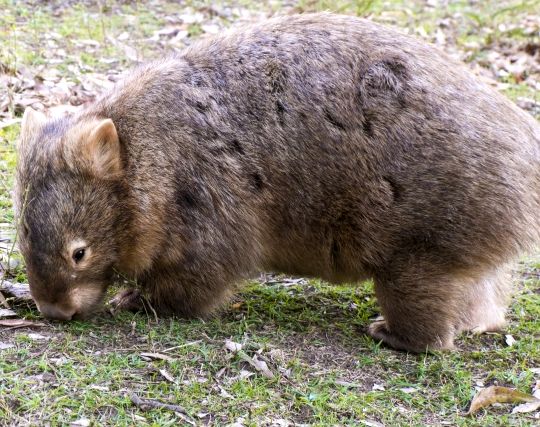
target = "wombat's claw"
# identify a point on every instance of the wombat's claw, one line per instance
(379, 331)
(127, 299)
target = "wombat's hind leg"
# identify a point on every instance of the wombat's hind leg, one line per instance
(486, 302)
(420, 306)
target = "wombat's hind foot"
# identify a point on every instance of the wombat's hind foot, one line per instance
(129, 299)
(379, 331)
(419, 300)
(486, 301)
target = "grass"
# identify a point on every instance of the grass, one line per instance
(326, 371)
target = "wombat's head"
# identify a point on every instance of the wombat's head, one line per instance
(68, 203)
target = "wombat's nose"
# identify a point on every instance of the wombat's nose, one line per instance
(51, 311)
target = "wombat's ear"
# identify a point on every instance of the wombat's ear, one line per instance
(31, 121)
(101, 150)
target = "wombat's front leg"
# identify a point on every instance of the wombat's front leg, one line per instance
(420, 302)
(175, 291)
(129, 299)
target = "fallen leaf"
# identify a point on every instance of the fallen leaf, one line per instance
(99, 387)
(348, 384)
(38, 337)
(18, 290)
(224, 393)
(233, 346)
(497, 394)
(408, 390)
(166, 375)
(83, 422)
(157, 356)
(6, 312)
(527, 407)
(20, 323)
(5, 346)
(262, 367)
(536, 389)
(510, 340)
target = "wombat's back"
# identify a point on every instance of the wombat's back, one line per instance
(356, 142)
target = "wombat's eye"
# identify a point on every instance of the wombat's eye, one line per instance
(78, 254)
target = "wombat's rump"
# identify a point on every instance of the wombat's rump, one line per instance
(317, 145)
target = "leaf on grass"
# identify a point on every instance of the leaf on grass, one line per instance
(371, 423)
(510, 340)
(262, 367)
(38, 337)
(5, 345)
(527, 407)
(6, 312)
(17, 290)
(497, 394)
(83, 422)
(156, 356)
(232, 346)
(166, 375)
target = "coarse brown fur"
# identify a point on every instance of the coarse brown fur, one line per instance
(316, 145)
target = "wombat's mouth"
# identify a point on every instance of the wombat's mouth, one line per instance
(75, 308)
(55, 311)
(66, 315)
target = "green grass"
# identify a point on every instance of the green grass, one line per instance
(326, 370)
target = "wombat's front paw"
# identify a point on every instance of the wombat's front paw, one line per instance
(127, 299)
(379, 331)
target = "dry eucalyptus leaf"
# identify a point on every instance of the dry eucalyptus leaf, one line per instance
(166, 375)
(38, 337)
(497, 394)
(17, 290)
(527, 407)
(5, 346)
(83, 422)
(510, 340)
(6, 312)
(262, 366)
(233, 346)
(19, 323)
(157, 356)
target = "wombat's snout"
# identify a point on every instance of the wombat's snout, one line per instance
(55, 312)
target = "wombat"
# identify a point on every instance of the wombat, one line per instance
(316, 145)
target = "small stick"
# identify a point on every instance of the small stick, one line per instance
(148, 404)
(3, 301)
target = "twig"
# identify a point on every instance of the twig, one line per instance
(148, 404)
(3, 301)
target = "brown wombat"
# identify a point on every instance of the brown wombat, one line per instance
(315, 145)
